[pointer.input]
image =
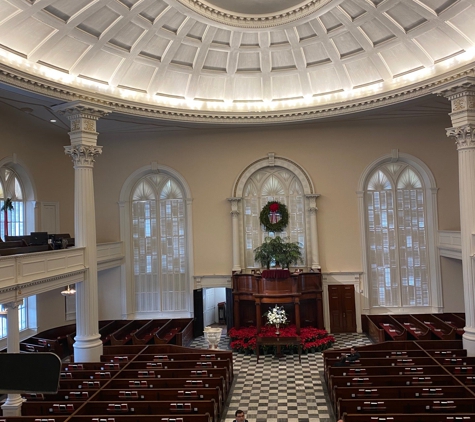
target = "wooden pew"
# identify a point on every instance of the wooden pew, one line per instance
(160, 394)
(176, 331)
(390, 392)
(146, 334)
(381, 328)
(415, 328)
(59, 338)
(141, 418)
(96, 366)
(81, 384)
(415, 417)
(200, 359)
(48, 408)
(88, 374)
(23, 249)
(108, 329)
(124, 334)
(395, 381)
(78, 394)
(182, 364)
(54, 418)
(179, 373)
(439, 328)
(453, 320)
(408, 405)
(172, 407)
(178, 383)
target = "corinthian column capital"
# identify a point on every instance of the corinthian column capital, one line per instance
(464, 136)
(82, 117)
(83, 155)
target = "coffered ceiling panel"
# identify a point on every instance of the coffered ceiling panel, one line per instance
(253, 56)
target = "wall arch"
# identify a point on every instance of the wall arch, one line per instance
(127, 283)
(432, 233)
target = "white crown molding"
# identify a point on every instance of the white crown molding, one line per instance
(227, 17)
(35, 84)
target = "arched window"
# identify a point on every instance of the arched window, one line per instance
(10, 187)
(159, 243)
(399, 223)
(272, 184)
(16, 184)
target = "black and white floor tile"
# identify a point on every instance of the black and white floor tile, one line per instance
(281, 390)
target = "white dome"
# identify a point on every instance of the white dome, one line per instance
(235, 61)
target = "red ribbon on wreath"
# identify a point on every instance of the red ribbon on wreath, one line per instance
(273, 208)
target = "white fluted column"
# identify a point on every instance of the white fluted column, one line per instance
(236, 237)
(314, 253)
(12, 405)
(462, 98)
(83, 151)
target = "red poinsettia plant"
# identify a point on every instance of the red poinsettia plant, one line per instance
(243, 340)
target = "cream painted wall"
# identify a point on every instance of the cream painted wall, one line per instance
(51, 310)
(39, 148)
(110, 300)
(334, 154)
(452, 284)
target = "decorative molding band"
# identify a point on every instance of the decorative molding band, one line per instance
(38, 85)
(40, 281)
(254, 21)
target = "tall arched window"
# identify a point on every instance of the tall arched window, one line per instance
(16, 184)
(399, 226)
(159, 240)
(272, 184)
(10, 187)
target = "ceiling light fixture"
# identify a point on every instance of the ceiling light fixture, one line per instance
(68, 291)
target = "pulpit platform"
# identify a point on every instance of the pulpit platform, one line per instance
(300, 294)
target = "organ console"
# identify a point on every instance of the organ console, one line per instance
(301, 295)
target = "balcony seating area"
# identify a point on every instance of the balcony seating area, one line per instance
(421, 380)
(137, 383)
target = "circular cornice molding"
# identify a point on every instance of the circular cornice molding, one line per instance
(65, 93)
(239, 20)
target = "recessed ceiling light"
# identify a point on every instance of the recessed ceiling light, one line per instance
(53, 120)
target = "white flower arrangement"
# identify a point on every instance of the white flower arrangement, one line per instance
(276, 316)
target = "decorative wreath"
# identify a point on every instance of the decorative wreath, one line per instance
(274, 208)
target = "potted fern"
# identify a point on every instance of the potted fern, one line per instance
(278, 250)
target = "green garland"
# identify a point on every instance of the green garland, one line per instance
(281, 224)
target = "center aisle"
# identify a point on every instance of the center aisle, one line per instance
(281, 390)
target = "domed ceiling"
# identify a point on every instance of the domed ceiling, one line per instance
(235, 60)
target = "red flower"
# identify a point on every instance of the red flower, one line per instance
(313, 339)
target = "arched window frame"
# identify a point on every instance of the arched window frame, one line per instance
(312, 258)
(296, 228)
(125, 203)
(430, 191)
(27, 312)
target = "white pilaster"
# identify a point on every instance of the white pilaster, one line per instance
(235, 220)
(312, 210)
(12, 405)
(462, 98)
(83, 151)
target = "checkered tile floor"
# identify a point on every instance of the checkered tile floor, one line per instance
(281, 390)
